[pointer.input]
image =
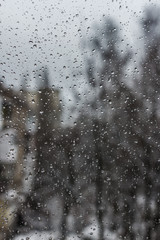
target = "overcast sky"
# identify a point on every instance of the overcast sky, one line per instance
(47, 32)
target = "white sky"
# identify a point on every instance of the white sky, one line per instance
(49, 32)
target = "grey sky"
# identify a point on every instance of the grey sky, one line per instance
(47, 32)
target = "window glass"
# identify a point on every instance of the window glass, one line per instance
(79, 120)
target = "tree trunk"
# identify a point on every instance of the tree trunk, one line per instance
(99, 180)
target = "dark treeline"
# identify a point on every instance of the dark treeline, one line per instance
(107, 166)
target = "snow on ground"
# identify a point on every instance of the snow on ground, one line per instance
(44, 235)
(90, 232)
(37, 235)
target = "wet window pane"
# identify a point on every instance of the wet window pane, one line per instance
(79, 120)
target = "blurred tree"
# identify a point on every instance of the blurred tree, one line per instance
(149, 90)
(125, 124)
(69, 140)
(47, 121)
(107, 83)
